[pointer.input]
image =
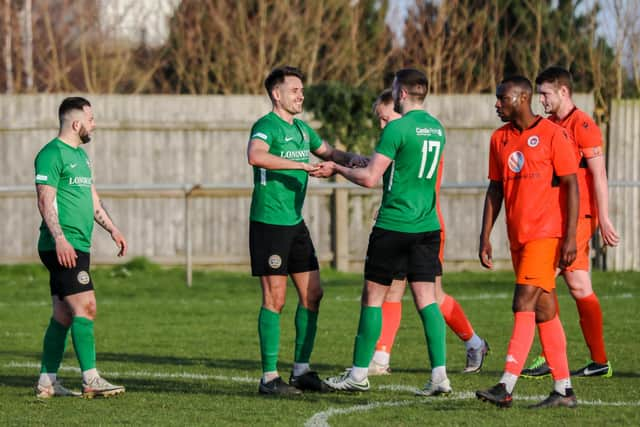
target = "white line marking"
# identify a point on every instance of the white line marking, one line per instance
(319, 419)
(145, 374)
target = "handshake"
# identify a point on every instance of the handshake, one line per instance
(329, 168)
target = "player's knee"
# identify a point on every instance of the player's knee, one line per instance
(91, 310)
(312, 301)
(275, 305)
(316, 296)
(579, 292)
(64, 318)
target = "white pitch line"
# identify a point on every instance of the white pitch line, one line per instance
(320, 418)
(145, 374)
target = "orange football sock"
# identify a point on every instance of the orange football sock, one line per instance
(456, 319)
(391, 316)
(555, 294)
(524, 329)
(554, 345)
(591, 324)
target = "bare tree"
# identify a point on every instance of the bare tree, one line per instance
(458, 42)
(624, 34)
(227, 46)
(7, 51)
(27, 45)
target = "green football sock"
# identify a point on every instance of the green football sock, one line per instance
(269, 332)
(306, 327)
(368, 333)
(84, 342)
(55, 341)
(434, 332)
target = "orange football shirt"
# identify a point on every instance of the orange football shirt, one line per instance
(526, 163)
(586, 134)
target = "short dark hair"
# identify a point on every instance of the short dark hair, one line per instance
(384, 98)
(277, 75)
(519, 81)
(558, 76)
(70, 104)
(414, 81)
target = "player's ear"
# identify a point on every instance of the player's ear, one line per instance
(275, 93)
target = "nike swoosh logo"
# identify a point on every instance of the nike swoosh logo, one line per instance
(588, 371)
(72, 165)
(288, 138)
(530, 277)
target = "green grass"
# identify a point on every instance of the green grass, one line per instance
(191, 356)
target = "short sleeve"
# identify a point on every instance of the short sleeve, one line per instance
(314, 139)
(588, 137)
(390, 141)
(262, 131)
(495, 170)
(563, 154)
(48, 167)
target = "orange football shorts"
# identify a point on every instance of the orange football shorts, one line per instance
(535, 263)
(584, 232)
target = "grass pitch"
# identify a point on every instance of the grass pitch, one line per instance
(191, 356)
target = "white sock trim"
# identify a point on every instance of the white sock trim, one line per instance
(89, 375)
(438, 374)
(381, 357)
(300, 368)
(474, 342)
(269, 376)
(359, 374)
(509, 381)
(562, 385)
(46, 379)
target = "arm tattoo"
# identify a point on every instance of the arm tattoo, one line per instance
(48, 211)
(103, 218)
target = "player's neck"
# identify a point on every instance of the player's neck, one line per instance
(565, 110)
(525, 120)
(283, 114)
(407, 108)
(69, 139)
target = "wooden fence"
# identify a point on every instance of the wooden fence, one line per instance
(149, 151)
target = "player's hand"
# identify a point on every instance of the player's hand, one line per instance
(117, 237)
(325, 170)
(609, 234)
(66, 254)
(309, 167)
(485, 254)
(567, 253)
(358, 161)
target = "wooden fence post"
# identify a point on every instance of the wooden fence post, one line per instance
(341, 226)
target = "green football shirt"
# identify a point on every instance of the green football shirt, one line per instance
(278, 195)
(67, 169)
(414, 143)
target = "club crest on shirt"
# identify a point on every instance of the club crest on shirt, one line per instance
(533, 141)
(275, 261)
(516, 161)
(83, 278)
